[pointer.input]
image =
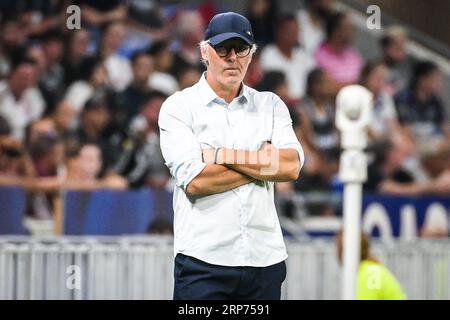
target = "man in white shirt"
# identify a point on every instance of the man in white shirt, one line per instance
(225, 145)
(20, 101)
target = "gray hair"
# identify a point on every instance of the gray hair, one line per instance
(205, 43)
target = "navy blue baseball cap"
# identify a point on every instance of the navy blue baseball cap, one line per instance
(224, 26)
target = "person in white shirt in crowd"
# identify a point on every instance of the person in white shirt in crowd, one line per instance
(312, 23)
(79, 92)
(20, 101)
(163, 58)
(225, 145)
(118, 67)
(285, 55)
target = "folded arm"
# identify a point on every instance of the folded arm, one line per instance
(266, 164)
(183, 155)
(216, 179)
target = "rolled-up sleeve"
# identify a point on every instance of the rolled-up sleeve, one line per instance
(283, 135)
(181, 151)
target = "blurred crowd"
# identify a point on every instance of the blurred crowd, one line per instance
(79, 108)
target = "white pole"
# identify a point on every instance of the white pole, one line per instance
(353, 115)
(352, 237)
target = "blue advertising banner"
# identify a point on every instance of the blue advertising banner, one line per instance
(13, 201)
(106, 212)
(404, 217)
(391, 217)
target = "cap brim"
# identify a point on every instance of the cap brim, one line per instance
(225, 36)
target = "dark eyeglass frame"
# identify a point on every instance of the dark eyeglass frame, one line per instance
(240, 54)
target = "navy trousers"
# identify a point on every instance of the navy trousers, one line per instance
(198, 280)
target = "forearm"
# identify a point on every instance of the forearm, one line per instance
(216, 179)
(277, 165)
(404, 189)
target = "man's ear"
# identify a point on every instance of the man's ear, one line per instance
(205, 55)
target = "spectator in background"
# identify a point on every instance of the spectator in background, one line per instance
(384, 122)
(130, 100)
(98, 13)
(84, 165)
(47, 155)
(64, 118)
(142, 162)
(255, 73)
(14, 161)
(420, 109)
(82, 170)
(39, 17)
(311, 21)
(316, 129)
(95, 128)
(41, 127)
(20, 101)
(275, 81)
(317, 114)
(145, 23)
(36, 52)
(387, 173)
(374, 280)
(118, 68)
(82, 90)
(163, 59)
(286, 56)
(12, 39)
(189, 33)
(77, 62)
(188, 77)
(262, 15)
(400, 64)
(51, 80)
(207, 9)
(146, 15)
(336, 55)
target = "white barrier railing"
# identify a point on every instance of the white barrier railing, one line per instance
(142, 268)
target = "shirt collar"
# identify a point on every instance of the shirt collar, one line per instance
(207, 93)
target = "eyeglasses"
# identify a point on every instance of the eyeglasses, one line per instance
(223, 49)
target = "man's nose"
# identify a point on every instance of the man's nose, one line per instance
(232, 55)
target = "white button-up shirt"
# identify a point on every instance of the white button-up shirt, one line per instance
(20, 113)
(239, 227)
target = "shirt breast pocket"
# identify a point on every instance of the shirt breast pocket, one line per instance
(258, 130)
(207, 134)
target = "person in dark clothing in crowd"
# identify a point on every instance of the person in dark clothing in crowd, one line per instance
(420, 109)
(77, 63)
(141, 161)
(51, 80)
(129, 101)
(399, 63)
(263, 15)
(95, 128)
